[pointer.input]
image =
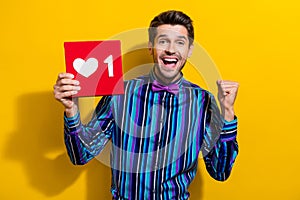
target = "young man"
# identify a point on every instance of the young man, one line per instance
(161, 123)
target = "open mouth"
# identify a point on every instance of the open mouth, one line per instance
(170, 62)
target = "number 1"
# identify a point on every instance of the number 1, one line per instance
(109, 62)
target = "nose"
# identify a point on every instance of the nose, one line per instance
(170, 49)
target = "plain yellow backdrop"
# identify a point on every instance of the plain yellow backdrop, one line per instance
(253, 42)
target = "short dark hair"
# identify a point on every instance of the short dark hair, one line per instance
(172, 17)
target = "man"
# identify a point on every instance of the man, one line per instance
(161, 123)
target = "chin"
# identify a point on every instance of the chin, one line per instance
(167, 72)
(169, 76)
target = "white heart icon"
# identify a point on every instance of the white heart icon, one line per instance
(85, 68)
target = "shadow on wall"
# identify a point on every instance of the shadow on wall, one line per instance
(38, 145)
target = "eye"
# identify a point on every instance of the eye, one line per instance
(162, 42)
(181, 42)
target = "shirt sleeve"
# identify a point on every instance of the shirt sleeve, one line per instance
(220, 144)
(83, 142)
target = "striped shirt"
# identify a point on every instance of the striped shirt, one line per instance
(156, 139)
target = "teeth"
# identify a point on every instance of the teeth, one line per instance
(170, 59)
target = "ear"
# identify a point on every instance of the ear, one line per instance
(191, 48)
(150, 48)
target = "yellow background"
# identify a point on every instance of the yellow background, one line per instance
(254, 42)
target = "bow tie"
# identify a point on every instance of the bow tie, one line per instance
(172, 88)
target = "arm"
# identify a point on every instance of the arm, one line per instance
(219, 159)
(82, 142)
(220, 145)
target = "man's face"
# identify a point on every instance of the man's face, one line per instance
(170, 50)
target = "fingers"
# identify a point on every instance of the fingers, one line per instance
(66, 95)
(226, 87)
(227, 83)
(64, 88)
(68, 87)
(65, 75)
(66, 78)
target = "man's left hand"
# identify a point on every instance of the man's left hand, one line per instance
(227, 92)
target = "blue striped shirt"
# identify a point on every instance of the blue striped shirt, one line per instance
(156, 139)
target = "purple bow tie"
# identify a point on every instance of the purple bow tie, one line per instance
(172, 88)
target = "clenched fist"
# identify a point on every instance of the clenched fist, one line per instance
(227, 92)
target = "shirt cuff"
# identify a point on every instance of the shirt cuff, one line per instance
(229, 130)
(72, 123)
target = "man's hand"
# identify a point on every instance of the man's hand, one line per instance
(227, 92)
(64, 88)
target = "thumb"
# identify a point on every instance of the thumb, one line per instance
(219, 82)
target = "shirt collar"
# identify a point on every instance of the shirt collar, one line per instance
(154, 77)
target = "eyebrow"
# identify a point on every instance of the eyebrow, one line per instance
(165, 35)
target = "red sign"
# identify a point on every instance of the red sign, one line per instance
(97, 65)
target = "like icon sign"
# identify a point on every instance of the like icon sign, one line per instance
(97, 65)
(85, 68)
